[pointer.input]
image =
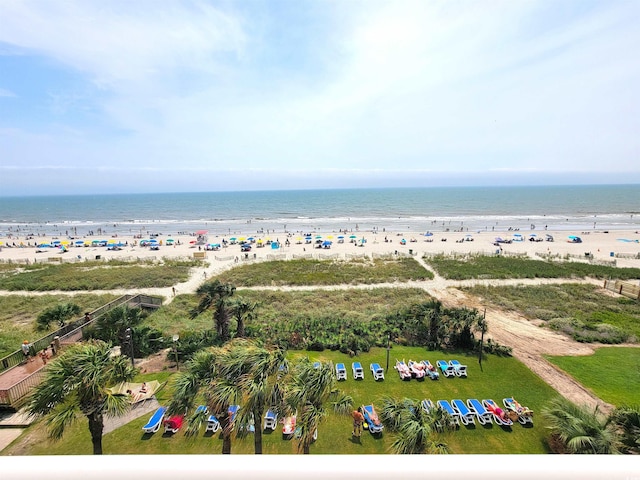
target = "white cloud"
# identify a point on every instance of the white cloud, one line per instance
(413, 87)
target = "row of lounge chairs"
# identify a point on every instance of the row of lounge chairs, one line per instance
(485, 411)
(424, 368)
(358, 372)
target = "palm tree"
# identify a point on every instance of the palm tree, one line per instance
(626, 421)
(307, 391)
(59, 314)
(214, 295)
(261, 385)
(242, 310)
(78, 383)
(417, 430)
(579, 430)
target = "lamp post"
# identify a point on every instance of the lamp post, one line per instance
(176, 337)
(129, 341)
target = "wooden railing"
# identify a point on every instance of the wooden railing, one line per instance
(144, 301)
(623, 288)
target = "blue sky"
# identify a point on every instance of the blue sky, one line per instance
(147, 96)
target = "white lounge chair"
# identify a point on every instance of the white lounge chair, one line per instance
(459, 369)
(466, 416)
(481, 413)
(213, 425)
(417, 370)
(378, 372)
(430, 370)
(153, 425)
(341, 371)
(525, 414)
(358, 372)
(445, 368)
(403, 370)
(427, 405)
(270, 420)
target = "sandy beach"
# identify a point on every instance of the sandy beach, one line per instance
(618, 245)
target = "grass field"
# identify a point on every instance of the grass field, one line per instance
(612, 373)
(498, 378)
(326, 272)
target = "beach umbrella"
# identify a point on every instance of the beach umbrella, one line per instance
(326, 243)
(250, 239)
(232, 239)
(192, 242)
(428, 234)
(79, 243)
(318, 237)
(340, 236)
(353, 236)
(330, 236)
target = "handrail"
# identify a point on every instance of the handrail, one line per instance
(17, 357)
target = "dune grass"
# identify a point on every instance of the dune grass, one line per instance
(276, 306)
(326, 272)
(585, 303)
(95, 275)
(501, 267)
(612, 373)
(18, 315)
(498, 378)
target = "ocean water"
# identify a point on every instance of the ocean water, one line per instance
(410, 210)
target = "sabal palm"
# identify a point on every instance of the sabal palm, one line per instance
(307, 390)
(77, 383)
(260, 385)
(417, 431)
(580, 430)
(242, 310)
(214, 295)
(626, 421)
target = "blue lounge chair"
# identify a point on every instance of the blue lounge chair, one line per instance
(201, 409)
(371, 418)
(341, 371)
(459, 369)
(481, 413)
(358, 372)
(447, 370)
(446, 406)
(153, 425)
(466, 416)
(270, 420)
(378, 372)
(430, 370)
(498, 414)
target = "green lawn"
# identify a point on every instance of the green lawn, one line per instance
(612, 373)
(499, 377)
